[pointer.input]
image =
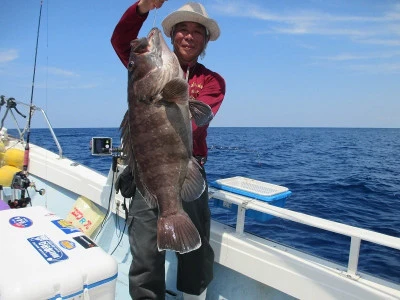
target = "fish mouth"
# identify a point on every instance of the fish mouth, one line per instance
(148, 44)
(154, 38)
(140, 46)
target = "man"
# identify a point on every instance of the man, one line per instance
(190, 29)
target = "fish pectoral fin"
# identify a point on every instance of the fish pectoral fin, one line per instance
(176, 91)
(147, 196)
(178, 233)
(150, 199)
(201, 112)
(194, 183)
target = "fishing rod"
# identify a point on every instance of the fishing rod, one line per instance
(26, 154)
(20, 180)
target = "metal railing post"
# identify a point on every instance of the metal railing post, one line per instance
(354, 255)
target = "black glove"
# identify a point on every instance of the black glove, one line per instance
(126, 183)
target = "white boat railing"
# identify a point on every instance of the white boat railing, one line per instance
(60, 151)
(31, 110)
(356, 234)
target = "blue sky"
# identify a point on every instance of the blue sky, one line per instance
(289, 63)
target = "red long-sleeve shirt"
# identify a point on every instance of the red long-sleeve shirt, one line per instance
(204, 84)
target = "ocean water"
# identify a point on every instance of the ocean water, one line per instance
(350, 176)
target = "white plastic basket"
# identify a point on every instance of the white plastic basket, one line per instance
(251, 188)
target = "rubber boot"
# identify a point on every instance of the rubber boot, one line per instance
(202, 296)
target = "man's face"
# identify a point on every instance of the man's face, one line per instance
(189, 41)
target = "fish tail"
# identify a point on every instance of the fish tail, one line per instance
(178, 233)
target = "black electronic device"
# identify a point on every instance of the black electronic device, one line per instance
(101, 145)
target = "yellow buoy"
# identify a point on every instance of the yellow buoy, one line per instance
(2, 150)
(14, 157)
(7, 174)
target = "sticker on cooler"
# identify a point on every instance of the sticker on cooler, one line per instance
(20, 222)
(86, 216)
(67, 244)
(81, 219)
(85, 242)
(47, 249)
(65, 226)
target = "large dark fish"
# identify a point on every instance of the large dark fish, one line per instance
(157, 139)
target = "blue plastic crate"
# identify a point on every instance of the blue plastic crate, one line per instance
(271, 193)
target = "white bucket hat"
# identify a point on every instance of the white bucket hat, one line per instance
(191, 12)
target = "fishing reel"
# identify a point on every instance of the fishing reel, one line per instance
(11, 104)
(21, 182)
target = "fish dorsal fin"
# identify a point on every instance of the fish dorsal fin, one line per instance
(201, 112)
(194, 184)
(176, 90)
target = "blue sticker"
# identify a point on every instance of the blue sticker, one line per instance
(67, 244)
(20, 222)
(65, 226)
(50, 252)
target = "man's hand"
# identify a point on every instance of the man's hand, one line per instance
(144, 6)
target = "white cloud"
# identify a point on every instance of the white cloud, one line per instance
(313, 22)
(8, 55)
(367, 34)
(67, 85)
(382, 42)
(350, 56)
(61, 72)
(383, 68)
(344, 57)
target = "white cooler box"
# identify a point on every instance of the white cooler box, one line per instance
(41, 257)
